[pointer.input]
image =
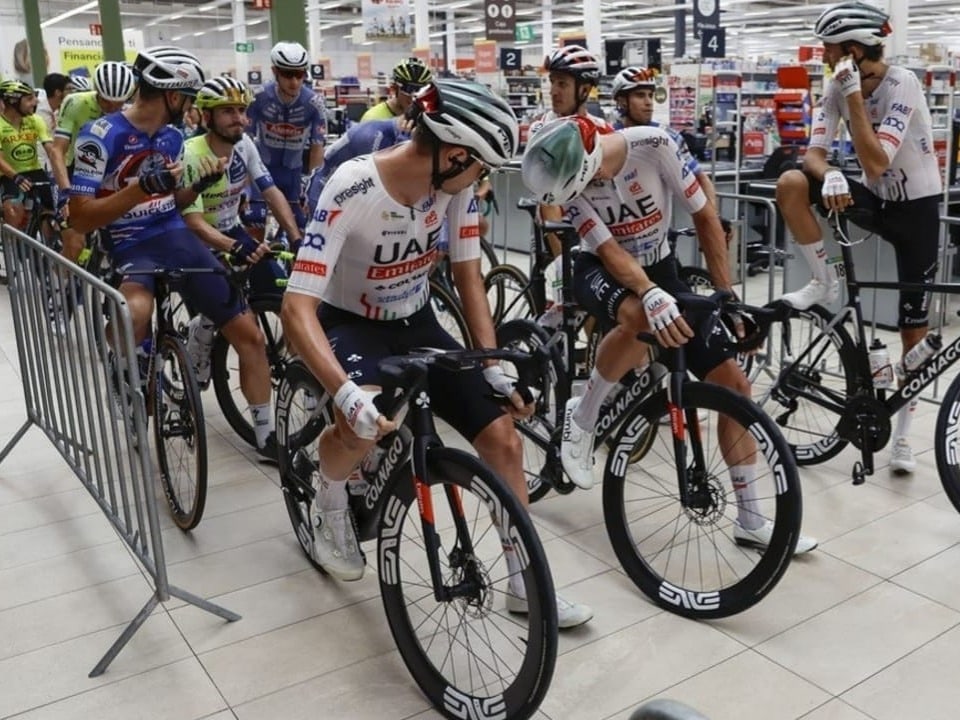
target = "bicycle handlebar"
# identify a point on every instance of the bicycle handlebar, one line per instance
(404, 374)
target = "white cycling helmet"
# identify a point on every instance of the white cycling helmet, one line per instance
(169, 68)
(562, 159)
(631, 78)
(465, 113)
(574, 60)
(289, 56)
(114, 81)
(853, 22)
(80, 83)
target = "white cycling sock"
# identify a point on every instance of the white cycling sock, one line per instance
(596, 392)
(331, 494)
(744, 482)
(816, 256)
(905, 420)
(262, 417)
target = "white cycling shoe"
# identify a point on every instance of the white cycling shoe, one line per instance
(814, 292)
(760, 538)
(576, 449)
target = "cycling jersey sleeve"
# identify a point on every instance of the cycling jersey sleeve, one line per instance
(92, 154)
(66, 128)
(318, 130)
(826, 120)
(322, 241)
(464, 222)
(256, 170)
(591, 229)
(679, 178)
(905, 97)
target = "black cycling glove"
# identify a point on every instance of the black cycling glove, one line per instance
(158, 182)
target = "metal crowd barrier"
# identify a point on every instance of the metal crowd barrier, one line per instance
(70, 398)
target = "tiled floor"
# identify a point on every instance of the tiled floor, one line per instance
(867, 626)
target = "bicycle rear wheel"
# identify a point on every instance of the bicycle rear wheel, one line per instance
(684, 556)
(947, 442)
(509, 294)
(226, 367)
(303, 411)
(446, 307)
(468, 654)
(805, 395)
(180, 433)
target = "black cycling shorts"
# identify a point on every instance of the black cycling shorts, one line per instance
(463, 399)
(598, 292)
(208, 293)
(911, 226)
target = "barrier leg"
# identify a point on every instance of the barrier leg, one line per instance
(199, 602)
(125, 636)
(15, 439)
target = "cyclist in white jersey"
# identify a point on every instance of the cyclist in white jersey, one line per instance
(884, 108)
(617, 190)
(365, 256)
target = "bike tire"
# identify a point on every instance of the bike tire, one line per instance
(495, 664)
(509, 294)
(225, 367)
(686, 560)
(303, 410)
(947, 442)
(180, 433)
(449, 314)
(697, 279)
(540, 464)
(806, 398)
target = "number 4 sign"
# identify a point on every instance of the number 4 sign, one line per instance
(713, 43)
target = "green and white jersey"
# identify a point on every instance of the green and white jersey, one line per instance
(77, 110)
(220, 202)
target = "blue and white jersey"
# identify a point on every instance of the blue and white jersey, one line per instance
(110, 154)
(282, 131)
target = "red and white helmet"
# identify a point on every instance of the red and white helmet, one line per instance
(574, 60)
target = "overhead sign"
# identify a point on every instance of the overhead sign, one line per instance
(485, 55)
(243, 47)
(706, 16)
(510, 59)
(713, 43)
(317, 71)
(384, 19)
(523, 33)
(254, 77)
(501, 19)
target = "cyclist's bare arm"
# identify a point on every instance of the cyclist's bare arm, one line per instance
(713, 245)
(56, 153)
(206, 232)
(552, 213)
(624, 267)
(281, 211)
(815, 162)
(300, 325)
(315, 159)
(873, 158)
(88, 213)
(708, 188)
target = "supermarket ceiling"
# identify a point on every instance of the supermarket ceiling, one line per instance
(753, 26)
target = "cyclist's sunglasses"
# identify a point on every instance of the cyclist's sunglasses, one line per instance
(485, 168)
(298, 74)
(410, 88)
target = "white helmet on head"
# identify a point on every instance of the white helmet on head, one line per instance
(633, 77)
(169, 68)
(853, 22)
(80, 83)
(114, 81)
(289, 56)
(465, 113)
(562, 159)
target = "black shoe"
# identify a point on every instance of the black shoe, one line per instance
(269, 452)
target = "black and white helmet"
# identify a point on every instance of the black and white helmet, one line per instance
(80, 83)
(289, 56)
(853, 22)
(169, 68)
(465, 113)
(114, 81)
(574, 60)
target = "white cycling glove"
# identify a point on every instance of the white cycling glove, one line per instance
(498, 380)
(660, 307)
(846, 74)
(357, 406)
(834, 184)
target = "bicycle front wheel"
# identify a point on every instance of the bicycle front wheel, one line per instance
(446, 306)
(225, 367)
(468, 653)
(686, 555)
(947, 442)
(802, 378)
(509, 294)
(180, 434)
